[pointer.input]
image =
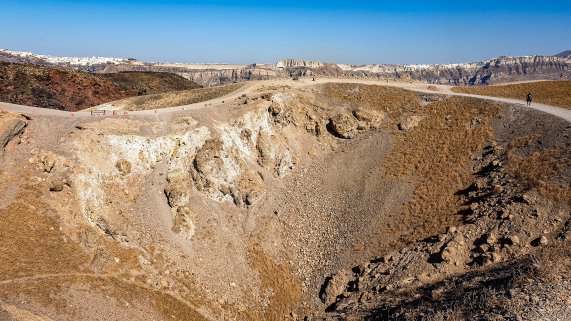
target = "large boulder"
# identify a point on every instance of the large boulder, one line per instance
(335, 286)
(343, 126)
(409, 122)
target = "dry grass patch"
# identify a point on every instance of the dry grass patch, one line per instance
(389, 99)
(543, 170)
(556, 93)
(175, 98)
(277, 279)
(435, 156)
(31, 242)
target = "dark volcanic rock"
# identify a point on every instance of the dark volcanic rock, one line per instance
(74, 90)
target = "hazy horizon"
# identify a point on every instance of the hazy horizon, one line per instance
(358, 32)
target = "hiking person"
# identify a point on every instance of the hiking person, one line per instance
(529, 96)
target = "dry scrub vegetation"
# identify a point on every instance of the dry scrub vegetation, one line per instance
(175, 98)
(540, 169)
(286, 289)
(435, 156)
(556, 93)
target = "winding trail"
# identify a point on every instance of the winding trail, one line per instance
(257, 85)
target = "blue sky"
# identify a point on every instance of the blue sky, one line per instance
(355, 32)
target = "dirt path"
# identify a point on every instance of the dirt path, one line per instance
(253, 86)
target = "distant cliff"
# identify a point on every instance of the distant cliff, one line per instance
(292, 63)
(203, 75)
(497, 70)
(492, 71)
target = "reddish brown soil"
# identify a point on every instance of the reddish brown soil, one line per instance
(75, 90)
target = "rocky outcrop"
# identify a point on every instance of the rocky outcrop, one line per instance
(343, 126)
(11, 125)
(335, 286)
(222, 174)
(223, 162)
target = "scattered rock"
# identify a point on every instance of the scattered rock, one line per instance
(387, 258)
(45, 161)
(124, 167)
(513, 240)
(491, 239)
(57, 183)
(475, 121)
(497, 189)
(409, 122)
(448, 253)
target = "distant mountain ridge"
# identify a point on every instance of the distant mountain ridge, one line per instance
(495, 70)
(564, 54)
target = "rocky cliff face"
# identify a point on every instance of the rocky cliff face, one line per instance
(492, 71)
(204, 75)
(496, 70)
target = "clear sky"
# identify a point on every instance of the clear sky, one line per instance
(355, 32)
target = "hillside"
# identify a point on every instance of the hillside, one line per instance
(73, 90)
(557, 93)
